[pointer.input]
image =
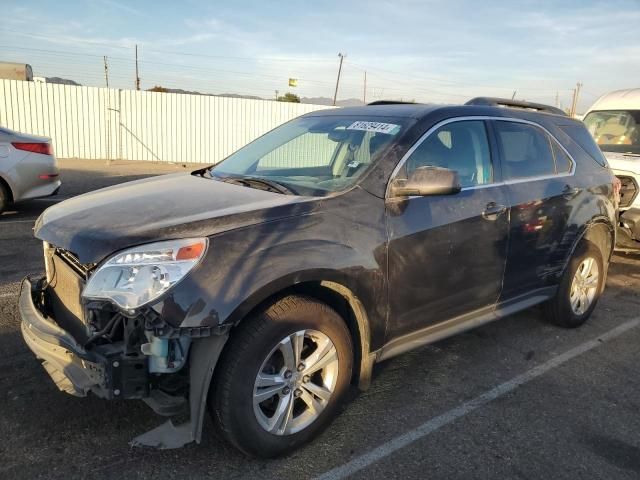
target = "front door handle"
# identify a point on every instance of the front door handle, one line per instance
(493, 210)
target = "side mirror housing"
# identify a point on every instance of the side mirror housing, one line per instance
(425, 181)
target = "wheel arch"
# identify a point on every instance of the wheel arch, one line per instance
(5, 184)
(601, 233)
(339, 297)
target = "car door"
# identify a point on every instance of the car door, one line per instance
(538, 173)
(447, 253)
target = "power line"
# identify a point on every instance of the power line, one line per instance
(186, 54)
(406, 87)
(451, 83)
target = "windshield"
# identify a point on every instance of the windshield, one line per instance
(615, 130)
(312, 155)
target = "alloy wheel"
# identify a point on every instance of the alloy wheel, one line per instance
(584, 286)
(295, 382)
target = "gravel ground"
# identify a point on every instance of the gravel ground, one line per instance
(575, 414)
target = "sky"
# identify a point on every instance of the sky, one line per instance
(427, 51)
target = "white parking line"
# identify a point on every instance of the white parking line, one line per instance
(446, 418)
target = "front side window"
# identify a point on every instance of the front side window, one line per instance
(461, 146)
(526, 150)
(312, 155)
(615, 130)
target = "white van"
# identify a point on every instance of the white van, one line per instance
(614, 122)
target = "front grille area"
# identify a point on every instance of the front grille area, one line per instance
(66, 279)
(628, 190)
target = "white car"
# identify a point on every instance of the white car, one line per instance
(614, 122)
(28, 168)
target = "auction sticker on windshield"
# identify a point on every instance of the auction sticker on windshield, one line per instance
(377, 127)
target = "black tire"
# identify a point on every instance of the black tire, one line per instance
(231, 395)
(558, 310)
(4, 198)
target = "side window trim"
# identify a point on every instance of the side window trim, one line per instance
(490, 132)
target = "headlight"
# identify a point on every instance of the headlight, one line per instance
(136, 276)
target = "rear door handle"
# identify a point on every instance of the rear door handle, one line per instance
(493, 211)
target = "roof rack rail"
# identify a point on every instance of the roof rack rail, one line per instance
(507, 102)
(390, 102)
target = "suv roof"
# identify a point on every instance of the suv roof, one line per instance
(478, 106)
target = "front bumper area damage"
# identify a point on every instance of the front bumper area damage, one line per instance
(109, 370)
(71, 367)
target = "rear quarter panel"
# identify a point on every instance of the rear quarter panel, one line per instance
(594, 205)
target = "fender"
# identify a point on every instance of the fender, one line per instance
(335, 282)
(206, 352)
(585, 233)
(4, 181)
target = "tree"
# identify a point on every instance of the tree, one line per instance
(289, 97)
(158, 88)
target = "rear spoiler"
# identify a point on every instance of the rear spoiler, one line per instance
(506, 102)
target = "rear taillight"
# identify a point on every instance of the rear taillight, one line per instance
(44, 148)
(617, 186)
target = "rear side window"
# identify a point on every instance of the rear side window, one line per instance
(563, 162)
(526, 150)
(583, 138)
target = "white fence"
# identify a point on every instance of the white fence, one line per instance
(101, 123)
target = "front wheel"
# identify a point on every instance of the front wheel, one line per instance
(282, 377)
(579, 289)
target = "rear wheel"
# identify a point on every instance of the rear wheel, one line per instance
(579, 289)
(282, 377)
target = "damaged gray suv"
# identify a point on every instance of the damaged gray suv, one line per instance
(261, 288)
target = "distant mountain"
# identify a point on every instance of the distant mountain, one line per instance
(235, 95)
(62, 81)
(349, 102)
(189, 92)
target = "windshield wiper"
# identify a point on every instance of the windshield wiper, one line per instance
(253, 182)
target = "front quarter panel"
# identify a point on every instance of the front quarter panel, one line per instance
(342, 242)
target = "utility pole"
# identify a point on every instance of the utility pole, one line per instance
(106, 71)
(277, 92)
(364, 95)
(335, 95)
(514, 95)
(557, 99)
(137, 77)
(575, 106)
(574, 102)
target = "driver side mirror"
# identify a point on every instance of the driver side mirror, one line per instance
(425, 181)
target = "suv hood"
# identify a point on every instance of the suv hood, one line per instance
(623, 162)
(97, 224)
